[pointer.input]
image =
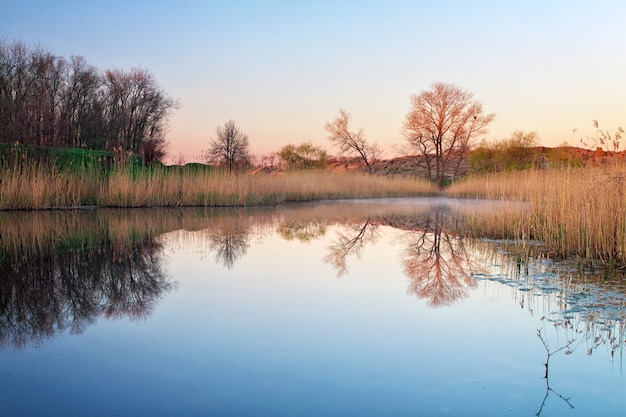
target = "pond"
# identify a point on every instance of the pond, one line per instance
(344, 308)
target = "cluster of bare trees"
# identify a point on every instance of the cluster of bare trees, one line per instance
(52, 101)
(440, 127)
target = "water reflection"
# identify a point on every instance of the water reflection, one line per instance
(62, 270)
(350, 242)
(437, 261)
(302, 230)
(238, 327)
(546, 377)
(580, 309)
(54, 279)
(229, 240)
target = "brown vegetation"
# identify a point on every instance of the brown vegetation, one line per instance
(39, 186)
(575, 212)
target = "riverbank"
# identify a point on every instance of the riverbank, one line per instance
(39, 186)
(576, 212)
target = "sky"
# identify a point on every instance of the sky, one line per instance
(282, 69)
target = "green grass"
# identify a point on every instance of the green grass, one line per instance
(64, 159)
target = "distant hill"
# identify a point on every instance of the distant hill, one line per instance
(408, 165)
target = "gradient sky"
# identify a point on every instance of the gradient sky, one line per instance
(281, 69)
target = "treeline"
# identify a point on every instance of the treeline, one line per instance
(53, 101)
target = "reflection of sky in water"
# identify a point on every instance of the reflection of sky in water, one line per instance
(280, 334)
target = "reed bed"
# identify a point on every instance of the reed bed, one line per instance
(575, 212)
(38, 186)
(219, 189)
(35, 186)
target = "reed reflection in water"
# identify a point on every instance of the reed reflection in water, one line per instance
(62, 279)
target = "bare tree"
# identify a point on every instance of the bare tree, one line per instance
(137, 112)
(29, 81)
(229, 149)
(350, 141)
(81, 120)
(441, 125)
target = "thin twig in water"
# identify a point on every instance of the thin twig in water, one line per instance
(548, 355)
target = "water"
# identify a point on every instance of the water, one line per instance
(343, 308)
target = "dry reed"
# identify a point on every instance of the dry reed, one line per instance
(38, 186)
(213, 188)
(575, 212)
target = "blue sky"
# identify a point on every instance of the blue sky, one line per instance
(281, 69)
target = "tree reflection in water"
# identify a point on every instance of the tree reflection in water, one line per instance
(437, 262)
(229, 246)
(302, 230)
(579, 308)
(435, 259)
(350, 242)
(61, 271)
(50, 291)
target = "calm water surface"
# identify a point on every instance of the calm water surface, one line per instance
(363, 308)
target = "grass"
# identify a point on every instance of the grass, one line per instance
(66, 159)
(579, 213)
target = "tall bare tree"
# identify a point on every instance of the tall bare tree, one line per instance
(351, 142)
(441, 125)
(229, 149)
(137, 111)
(81, 108)
(21, 70)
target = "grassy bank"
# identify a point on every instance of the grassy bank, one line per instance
(44, 186)
(574, 212)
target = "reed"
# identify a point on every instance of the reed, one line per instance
(575, 212)
(35, 186)
(39, 186)
(216, 188)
